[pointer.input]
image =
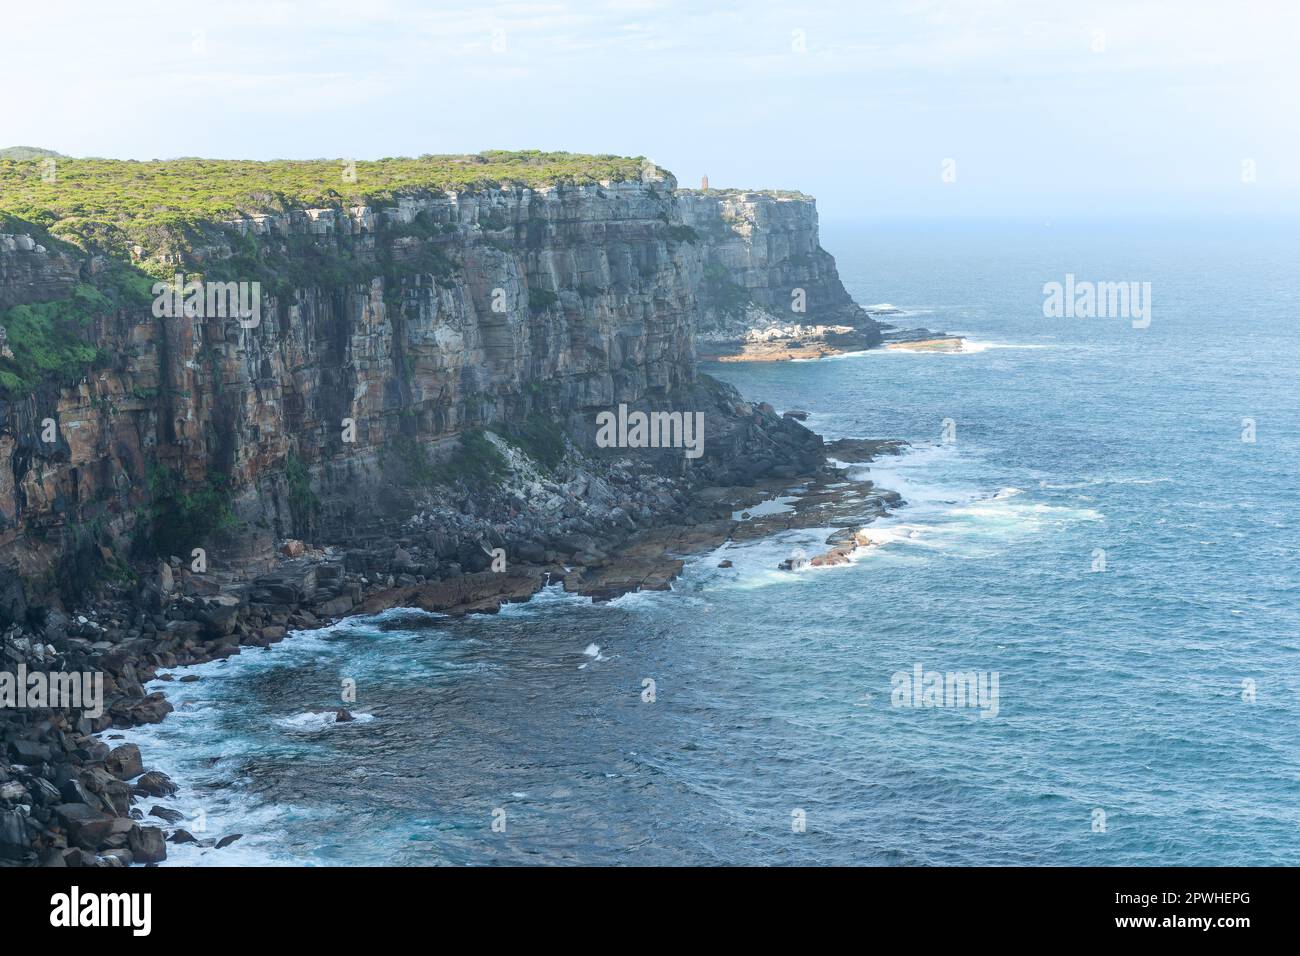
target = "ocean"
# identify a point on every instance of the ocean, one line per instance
(1101, 515)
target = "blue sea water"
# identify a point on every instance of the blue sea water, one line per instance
(1147, 712)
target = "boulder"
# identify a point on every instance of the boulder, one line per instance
(46, 792)
(150, 710)
(184, 630)
(111, 793)
(117, 834)
(146, 844)
(29, 752)
(529, 552)
(338, 607)
(13, 791)
(219, 614)
(13, 834)
(72, 791)
(124, 762)
(155, 783)
(87, 828)
(75, 856)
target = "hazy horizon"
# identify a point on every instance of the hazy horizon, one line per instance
(912, 109)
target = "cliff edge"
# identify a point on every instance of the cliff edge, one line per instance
(425, 301)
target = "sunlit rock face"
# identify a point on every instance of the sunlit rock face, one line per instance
(380, 326)
(764, 267)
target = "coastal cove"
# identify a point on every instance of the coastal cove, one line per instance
(771, 689)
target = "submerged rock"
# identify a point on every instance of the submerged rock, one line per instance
(167, 814)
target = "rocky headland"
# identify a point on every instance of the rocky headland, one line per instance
(410, 423)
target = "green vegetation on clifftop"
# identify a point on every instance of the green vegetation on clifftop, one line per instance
(96, 200)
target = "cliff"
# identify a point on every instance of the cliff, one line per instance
(31, 273)
(387, 330)
(764, 269)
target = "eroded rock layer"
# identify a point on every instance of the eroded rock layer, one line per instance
(381, 327)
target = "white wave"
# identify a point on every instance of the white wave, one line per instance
(319, 720)
(260, 837)
(1101, 480)
(971, 346)
(896, 534)
(832, 358)
(592, 651)
(204, 765)
(1027, 516)
(927, 476)
(551, 596)
(369, 620)
(950, 508)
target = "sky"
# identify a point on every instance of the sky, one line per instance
(890, 108)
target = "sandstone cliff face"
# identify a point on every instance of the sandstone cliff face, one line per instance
(407, 323)
(31, 273)
(764, 267)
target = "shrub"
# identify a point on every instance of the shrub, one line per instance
(476, 462)
(86, 559)
(48, 340)
(539, 300)
(541, 439)
(181, 521)
(303, 503)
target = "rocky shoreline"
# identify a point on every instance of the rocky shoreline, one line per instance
(787, 343)
(601, 527)
(921, 340)
(408, 424)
